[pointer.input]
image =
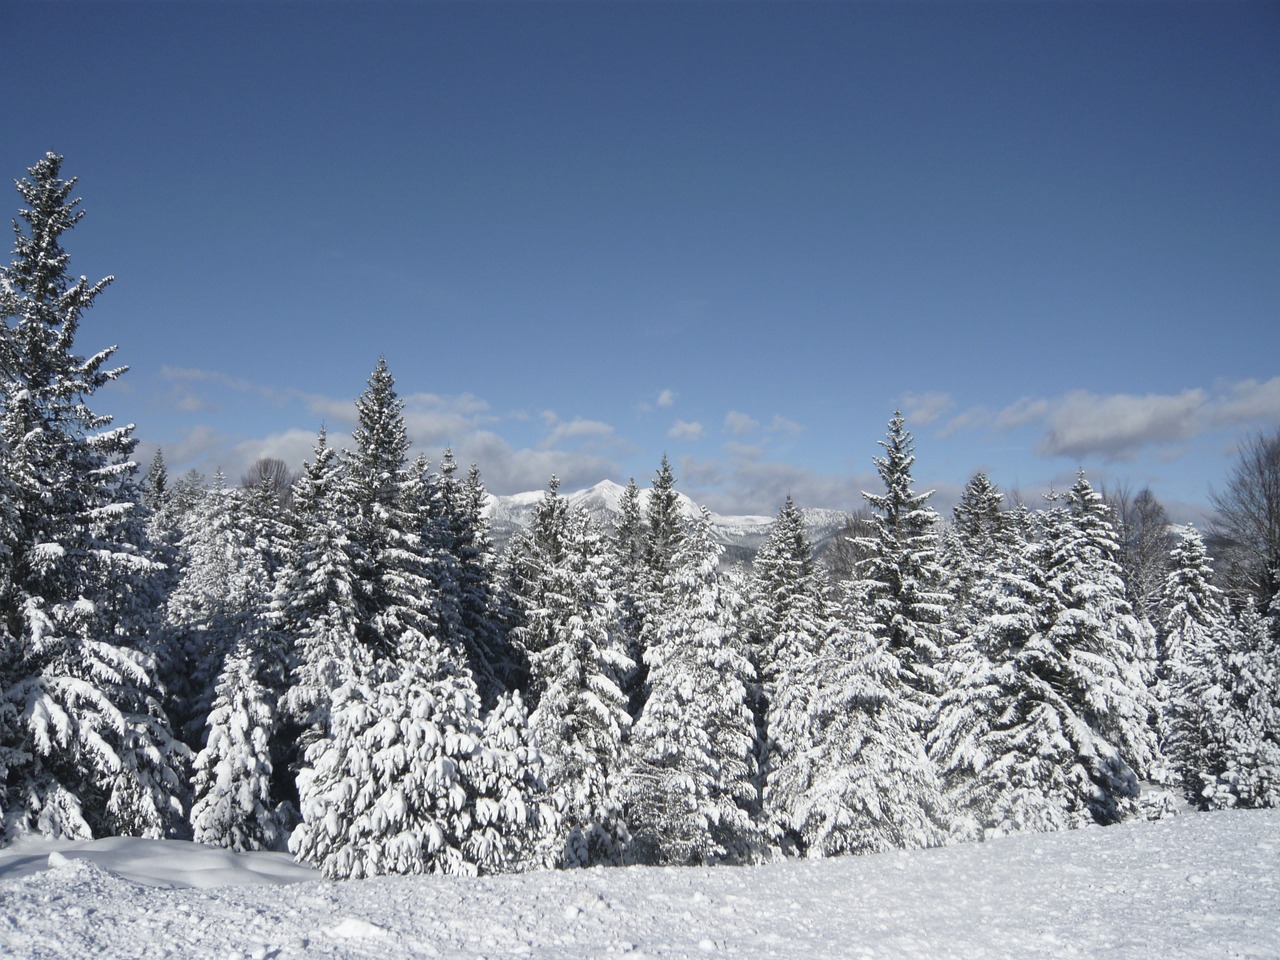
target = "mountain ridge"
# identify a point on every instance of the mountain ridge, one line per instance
(741, 535)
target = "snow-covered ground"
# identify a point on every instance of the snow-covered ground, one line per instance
(1198, 886)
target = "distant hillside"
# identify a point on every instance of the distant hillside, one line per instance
(741, 536)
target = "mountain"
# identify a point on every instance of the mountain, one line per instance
(741, 536)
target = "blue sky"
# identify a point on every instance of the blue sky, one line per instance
(742, 234)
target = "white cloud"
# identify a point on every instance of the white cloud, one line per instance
(684, 430)
(666, 399)
(780, 424)
(1247, 401)
(576, 429)
(739, 424)
(1021, 412)
(1119, 425)
(922, 409)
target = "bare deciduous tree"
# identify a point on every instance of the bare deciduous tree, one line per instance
(1245, 530)
(1145, 540)
(270, 473)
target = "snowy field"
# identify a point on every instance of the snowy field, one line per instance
(1197, 886)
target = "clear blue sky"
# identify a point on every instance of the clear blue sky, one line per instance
(584, 235)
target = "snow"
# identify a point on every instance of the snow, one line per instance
(1195, 886)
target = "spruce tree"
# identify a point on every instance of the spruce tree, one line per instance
(862, 782)
(559, 581)
(901, 584)
(1248, 718)
(691, 790)
(1196, 629)
(83, 734)
(788, 621)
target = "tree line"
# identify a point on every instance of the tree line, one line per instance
(344, 665)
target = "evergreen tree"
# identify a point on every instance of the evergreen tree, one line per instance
(321, 612)
(471, 581)
(788, 621)
(1196, 628)
(1012, 751)
(83, 735)
(664, 528)
(978, 537)
(862, 782)
(691, 774)
(632, 589)
(1248, 716)
(233, 773)
(559, 582)
(1112, 652)
(901, 582)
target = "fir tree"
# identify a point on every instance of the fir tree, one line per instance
(233, 773)
(901, 583)
(559, 582)
(1196, 628)
(664, 530)
(632, 589)
(862, 783)
(1248, 718)
(690, 778)
(321, 612)
(83, 734)
(788, 621)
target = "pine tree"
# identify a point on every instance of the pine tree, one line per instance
(632, 588)
(83, 734)
(1012, 752)
(863, 782)
(1111, 652)
(559, 582)
(471, 581)
(242, 797)
(321, 612)
(788, 621)
(664, 529)
(1196, 628)
(1248, 717)
(691, 787)
(233, 773)
(978, 537)
(901, 582)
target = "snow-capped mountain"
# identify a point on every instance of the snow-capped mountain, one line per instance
(741, 536)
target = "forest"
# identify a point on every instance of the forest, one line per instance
(344, 665)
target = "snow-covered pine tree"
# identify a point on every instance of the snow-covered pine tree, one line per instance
(83, 733)
(901, 583)
(401, 782)
(463, 533)
(205, 607)
(242, 794)
(320, 612)
(1248, 715)
(233, 805)
(690, 775)
(663, 527)
(863, 782)
(514, 814)
(632, 588)
(1111, 652)
(559, 583)
(979, 535)
(788, 620)
(1045, 727)
(1196, 631)
(1010, 748)
(395, 600)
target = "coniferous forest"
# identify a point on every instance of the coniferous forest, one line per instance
(344, 665)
